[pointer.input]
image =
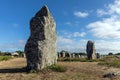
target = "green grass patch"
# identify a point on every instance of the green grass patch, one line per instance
(4, 58)
(58, 68)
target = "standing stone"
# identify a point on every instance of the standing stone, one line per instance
(59, 55)
(69, 55)
(90, 49)
(63, 54)
(41, 48)
(79, 56)
(73, 55)
(98, 55)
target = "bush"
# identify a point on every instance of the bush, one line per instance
(110, 53)
(58, 68)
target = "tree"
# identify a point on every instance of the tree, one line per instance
(21, 53)
(82, 53)
(0, 53)
(110, 53)
(7, 54)
(117, 54)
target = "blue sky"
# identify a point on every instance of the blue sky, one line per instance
(76, 22)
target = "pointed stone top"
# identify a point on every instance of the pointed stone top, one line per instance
(43, 12)
(45, 7)
(89, 41)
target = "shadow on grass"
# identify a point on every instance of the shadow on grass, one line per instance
(13, 70)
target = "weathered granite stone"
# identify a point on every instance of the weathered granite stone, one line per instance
(112, 74)
(69, 55)
(73, 55)
(90, 49)
(98, 55)
(59, 55)
(41, 48)
(79, 56)
(63, 54)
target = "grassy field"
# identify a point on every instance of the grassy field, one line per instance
(13, 70)
(110, 61)
(4, 58)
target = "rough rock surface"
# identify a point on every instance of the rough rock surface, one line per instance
(41, 48)
(112, 74)
(90, 49)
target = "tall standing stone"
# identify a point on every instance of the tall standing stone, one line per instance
(79, 56)
(41, 48)
(63, 54)
(73, 55)
(90, 49)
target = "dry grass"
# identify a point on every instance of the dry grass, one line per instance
(10, 70)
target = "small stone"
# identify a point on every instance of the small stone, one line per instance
(90, 49)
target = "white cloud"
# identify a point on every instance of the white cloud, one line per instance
(77, 34)
(114, 8)
(107, 27)
(74, 34)
(111, 9)
(81, 14)
(19, 45)
(73, 24)
(101, 12)
(68, 23)
(104, 47)
(63, 40)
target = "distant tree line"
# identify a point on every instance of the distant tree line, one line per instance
(20, 53)
(117, 54)
(110, 53)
